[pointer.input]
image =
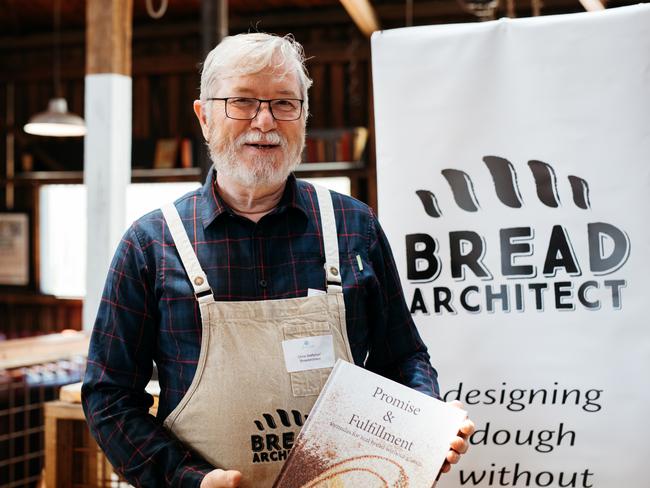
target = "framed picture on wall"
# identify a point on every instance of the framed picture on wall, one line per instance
(14, 249)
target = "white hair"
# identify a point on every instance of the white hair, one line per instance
(246, 54)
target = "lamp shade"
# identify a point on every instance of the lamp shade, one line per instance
(56, 121)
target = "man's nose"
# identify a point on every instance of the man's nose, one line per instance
(264, 119)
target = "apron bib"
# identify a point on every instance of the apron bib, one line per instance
(243, 409)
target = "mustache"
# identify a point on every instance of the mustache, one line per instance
(256, 137)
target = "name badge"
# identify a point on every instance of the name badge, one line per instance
(309, 353)
(311, 292)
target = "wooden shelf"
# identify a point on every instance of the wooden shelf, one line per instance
(166, 175)
(138, 175)
(171, 174)
(330, 166)
(38, 177)
(18, 353)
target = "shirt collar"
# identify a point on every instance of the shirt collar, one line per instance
(213, 205)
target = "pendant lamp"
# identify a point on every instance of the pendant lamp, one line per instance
(56, 121)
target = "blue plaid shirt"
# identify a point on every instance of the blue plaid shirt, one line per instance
(148, 312)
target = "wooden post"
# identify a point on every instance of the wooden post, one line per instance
(10, 152)
(108, 36)
(214, 27)
(214, 23)
(107, 149)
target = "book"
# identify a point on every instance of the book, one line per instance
(360, 140)
(166, 153)
(320, 150)
(346, 146)
(187, 160)
(310, 150)
(368, 431)
(331, 145)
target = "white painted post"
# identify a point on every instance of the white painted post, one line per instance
(107, 172)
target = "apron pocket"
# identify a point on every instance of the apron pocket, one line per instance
(310, 382)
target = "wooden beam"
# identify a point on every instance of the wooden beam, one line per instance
(363, 14)
(10, 140)
(214, 27)
(592, 5)
(214, 23)
(109, 28)
(268, 21)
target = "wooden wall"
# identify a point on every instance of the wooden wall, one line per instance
(31, 314)
(166, 78)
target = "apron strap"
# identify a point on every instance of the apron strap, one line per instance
(197, 277)
(330, 240)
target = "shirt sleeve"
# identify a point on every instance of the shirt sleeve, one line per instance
(120, 362)
(396, 348)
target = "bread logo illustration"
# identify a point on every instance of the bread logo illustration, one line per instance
(366, 471)
(506, 186)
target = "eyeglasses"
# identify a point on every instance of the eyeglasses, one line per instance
(242, 108)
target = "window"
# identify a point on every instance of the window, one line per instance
(63, 229)
(63, 226)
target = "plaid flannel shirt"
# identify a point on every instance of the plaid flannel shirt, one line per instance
(148, 312)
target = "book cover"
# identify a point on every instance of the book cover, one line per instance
(166, 153)
(359, 145)
(320, 150)
(346, 146)
(368, 431)
(187, 159)
(311, 150)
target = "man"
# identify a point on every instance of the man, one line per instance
(214, 286)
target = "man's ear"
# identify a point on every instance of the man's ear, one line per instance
(203, 120)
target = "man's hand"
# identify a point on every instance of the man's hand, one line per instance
(221, 479)
(459, 444)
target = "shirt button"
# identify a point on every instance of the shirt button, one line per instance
(263, 283)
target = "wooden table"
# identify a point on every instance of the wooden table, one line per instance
(71, 454)
(72, 457)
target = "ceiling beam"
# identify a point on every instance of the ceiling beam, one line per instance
(592, 5)
(446, 10)
(363, 14)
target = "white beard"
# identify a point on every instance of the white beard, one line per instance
(262, 170)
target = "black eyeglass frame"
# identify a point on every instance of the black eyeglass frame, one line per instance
(260, 101)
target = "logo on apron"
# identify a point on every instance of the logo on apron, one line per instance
(275, 447)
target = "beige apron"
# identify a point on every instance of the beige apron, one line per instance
(243, 409)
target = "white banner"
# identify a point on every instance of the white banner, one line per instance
(513, 163)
